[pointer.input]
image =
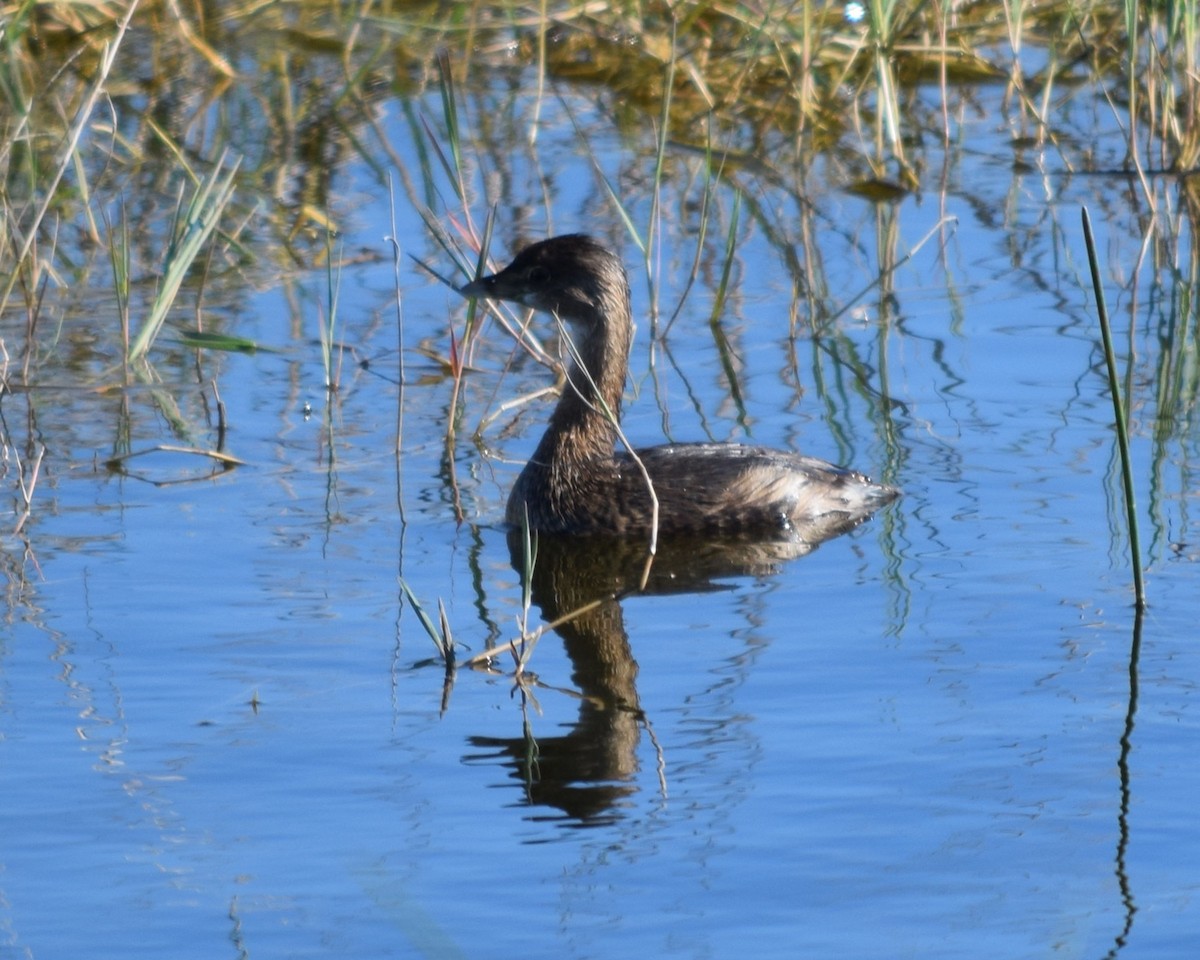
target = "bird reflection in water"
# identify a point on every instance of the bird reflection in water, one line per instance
(588, 774)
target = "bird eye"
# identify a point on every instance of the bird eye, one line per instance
(537, 274)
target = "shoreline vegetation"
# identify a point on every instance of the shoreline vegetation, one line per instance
(107, 101)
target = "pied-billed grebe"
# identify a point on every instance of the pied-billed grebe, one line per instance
(576, 483)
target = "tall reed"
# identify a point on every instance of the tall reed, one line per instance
(1119, 414)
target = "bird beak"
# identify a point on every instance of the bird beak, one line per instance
(481, 287)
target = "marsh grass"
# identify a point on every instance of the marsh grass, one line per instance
(725, 80)
(440, 634)
(24, 226)
(191, 228)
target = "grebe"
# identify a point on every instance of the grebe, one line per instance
(576, 483)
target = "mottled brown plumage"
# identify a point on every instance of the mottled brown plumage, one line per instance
(575, 483)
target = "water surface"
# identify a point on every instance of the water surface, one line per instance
(224, 732)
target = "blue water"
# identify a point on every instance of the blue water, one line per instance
(223, 732)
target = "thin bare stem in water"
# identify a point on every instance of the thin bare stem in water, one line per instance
(458, 366)
(459, 346)
(937, 228)
(713, 173)
(613, 195)
(222, 424)
(1114, 387)
(721, 341)
(397, 255)
(327, 328)
(27, 478)
(653, 243)
(543, 32)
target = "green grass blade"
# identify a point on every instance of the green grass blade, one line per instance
(204, 340)
(192, 233)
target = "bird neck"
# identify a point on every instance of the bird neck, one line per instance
(583, 426)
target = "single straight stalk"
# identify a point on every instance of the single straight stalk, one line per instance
(1114, 387)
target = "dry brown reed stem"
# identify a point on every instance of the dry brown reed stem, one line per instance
(512, 646)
